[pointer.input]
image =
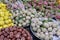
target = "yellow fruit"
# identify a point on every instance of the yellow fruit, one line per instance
(4, 9)
(4, 26)
(6, 21)
(0, 10)
(10, 14)
(9, 25)
(12, 24)
(6, 14)
(1, 14)
(6, 17)
(1, 19)
(9, 20)
(1, 22)
(0, 27)
(2, 5)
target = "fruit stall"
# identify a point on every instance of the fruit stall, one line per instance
(29, 19)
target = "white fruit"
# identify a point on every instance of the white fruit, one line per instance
(29, 13)
(32, 16)
(27, 21)
(42, 35)
(46, 33)
(21, 12)
(34, 28)
(24, 24)
(50, 29)
(33, 24)
(46, 37)
(24, 14)
(21, 16)
(39, 23)
(28, 17)
(25, 11)
(38, 30)
(55, 29)
(44, 29)
(46, 25)
(38, 26)
(50, 33)
(51, 37)
(20, 25)
(20, 21)
(37, 34)
(54, 25)
(50, 23)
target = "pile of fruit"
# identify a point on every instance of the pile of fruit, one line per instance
(14, 33)
(23, 17)
(45, 28)
(49, 7)
(5, 17)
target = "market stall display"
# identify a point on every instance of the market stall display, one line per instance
(41, 17)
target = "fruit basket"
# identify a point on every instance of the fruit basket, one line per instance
(43, 32)
(14, 33)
